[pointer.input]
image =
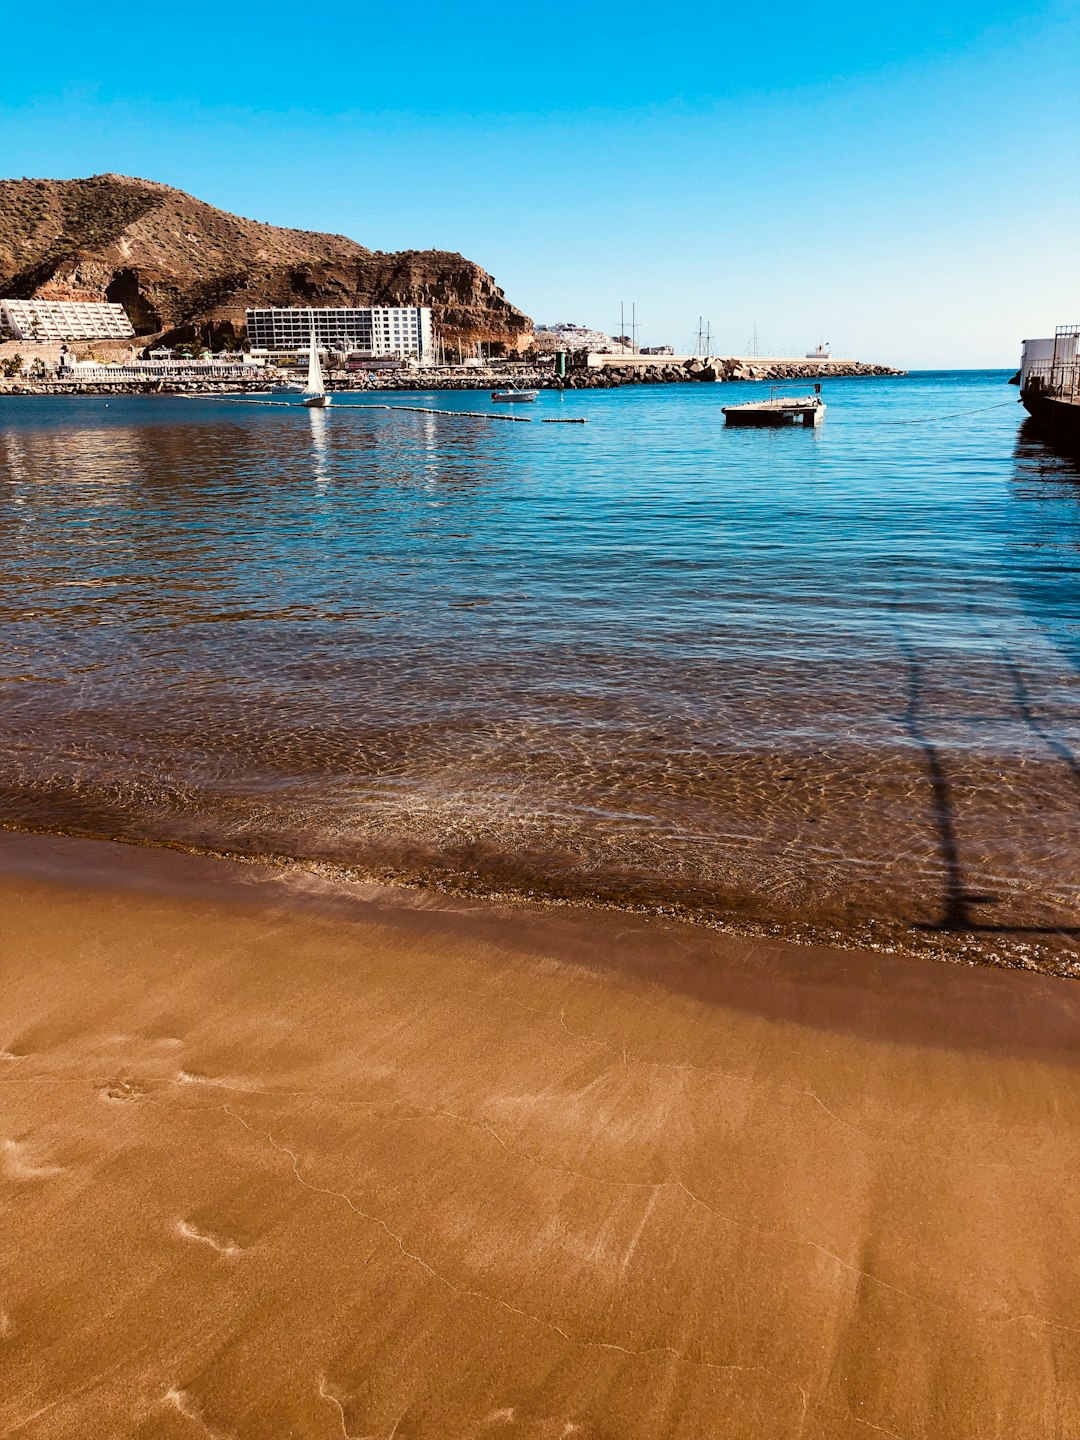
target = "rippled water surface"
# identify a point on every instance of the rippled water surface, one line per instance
(823, 682)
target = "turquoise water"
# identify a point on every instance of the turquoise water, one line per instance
(824, 683)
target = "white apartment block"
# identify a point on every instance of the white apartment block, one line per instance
(65, 320)
(374, 330)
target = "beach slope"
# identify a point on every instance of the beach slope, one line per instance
(285, 1158)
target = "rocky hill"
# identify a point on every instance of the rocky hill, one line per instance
(184, 270)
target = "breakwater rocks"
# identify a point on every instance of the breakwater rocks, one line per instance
(715, 369)
(662, 373)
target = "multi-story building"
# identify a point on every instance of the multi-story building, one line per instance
(217, 368)
(65, 320)
(374, 330)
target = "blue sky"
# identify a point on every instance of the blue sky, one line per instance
(902, 181)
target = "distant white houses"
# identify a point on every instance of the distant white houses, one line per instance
(375, 330)
(65, 320)
(568, 336)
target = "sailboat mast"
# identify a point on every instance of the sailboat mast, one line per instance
(315, 384)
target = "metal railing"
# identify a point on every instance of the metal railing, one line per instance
(1060, 380)
(161, 371)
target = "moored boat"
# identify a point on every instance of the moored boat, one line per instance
(512, 393)
(1050, 382)
(778, 410)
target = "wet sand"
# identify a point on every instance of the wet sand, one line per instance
(281, 1158)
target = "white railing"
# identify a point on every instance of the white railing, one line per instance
(1056, 379)
(164, 371)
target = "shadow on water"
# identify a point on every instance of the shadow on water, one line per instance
(1037, 459)
(1026, 707)
(956, 911)
(1036, 442)
(1053, 604)
(1046, 479)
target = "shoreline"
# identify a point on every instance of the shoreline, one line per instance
(291, 1156)
(532, 926)
(1030, 949)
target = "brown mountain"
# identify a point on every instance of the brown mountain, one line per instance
(185, 270)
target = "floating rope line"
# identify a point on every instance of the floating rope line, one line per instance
(433, 410)
(931, 419)
(416, 409)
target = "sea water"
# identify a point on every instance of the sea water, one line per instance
(818, 683)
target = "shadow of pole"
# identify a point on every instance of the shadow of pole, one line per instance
(956, 902)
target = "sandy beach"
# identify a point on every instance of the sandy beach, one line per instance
(286, 1158)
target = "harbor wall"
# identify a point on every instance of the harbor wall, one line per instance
(659, 370)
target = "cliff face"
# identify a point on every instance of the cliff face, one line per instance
(184, 269)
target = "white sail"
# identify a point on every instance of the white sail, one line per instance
(315, 384)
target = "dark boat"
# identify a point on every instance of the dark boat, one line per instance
(1050, 383)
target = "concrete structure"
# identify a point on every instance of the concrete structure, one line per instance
(65, 320)
(1054, 358)
(374, 330)
(1050, 383)
(629, 362)
(164, 370)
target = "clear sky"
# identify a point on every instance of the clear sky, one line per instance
(901, 180)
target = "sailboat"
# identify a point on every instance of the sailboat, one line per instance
(315, 396)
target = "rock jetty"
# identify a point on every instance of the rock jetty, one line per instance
(713, 368)
(579, 377)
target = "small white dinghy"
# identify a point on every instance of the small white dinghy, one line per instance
(315, 396)
(513, 393)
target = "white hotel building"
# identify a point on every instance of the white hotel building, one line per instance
(374, 330)
(65, 320)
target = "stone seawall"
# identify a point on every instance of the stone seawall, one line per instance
(718, 369)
